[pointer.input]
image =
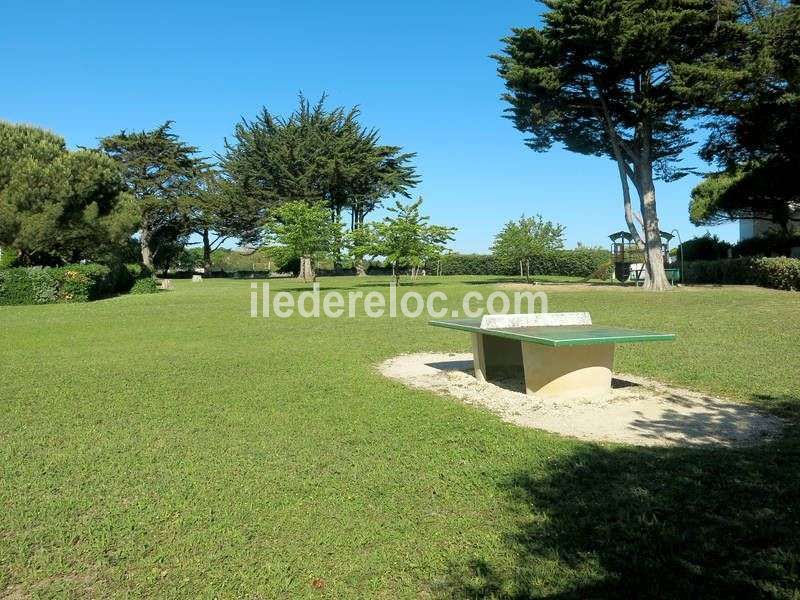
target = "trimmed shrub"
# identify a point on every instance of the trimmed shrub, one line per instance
(772, 244)
(16, 287)
(475, 264)
(44, 286)
(144, 285)
(780, 273)
(705, 247)
(71, 283)
(730, 271)
(81, 283)
(580, 262)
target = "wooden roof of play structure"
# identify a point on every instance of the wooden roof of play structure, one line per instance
(625, 235)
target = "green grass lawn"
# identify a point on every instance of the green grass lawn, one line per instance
(172, 446)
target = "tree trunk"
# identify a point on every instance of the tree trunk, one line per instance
(624, 170)
(307, 270)
(622, 166)
(361, 268)
(144, 242)
(656, 279)
(206, 253)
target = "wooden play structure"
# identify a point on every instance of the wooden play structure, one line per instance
(629, 260)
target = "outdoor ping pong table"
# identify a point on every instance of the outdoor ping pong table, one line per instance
(557, 361)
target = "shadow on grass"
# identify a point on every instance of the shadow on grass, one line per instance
(785, 406)
(546, 282)
(627, 522)
(403, 284)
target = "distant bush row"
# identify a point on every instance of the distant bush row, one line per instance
(580, 262)
(71, 283)
(710, 247)
(780, 273)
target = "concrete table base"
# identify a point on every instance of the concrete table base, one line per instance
(569, 371)
(495, 356)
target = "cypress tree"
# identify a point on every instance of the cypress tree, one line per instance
(598, 77)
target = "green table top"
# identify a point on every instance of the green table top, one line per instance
(561, 335)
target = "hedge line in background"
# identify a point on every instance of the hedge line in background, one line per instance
(779, 273)
(580, 262)
(71, 283)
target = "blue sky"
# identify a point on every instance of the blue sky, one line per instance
(420, 71)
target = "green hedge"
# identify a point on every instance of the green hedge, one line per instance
(144, 285)
(779, 273)
(81, 283)
(16, 287)
(704, 247)
(580, 262)
(70, 283)
(474, 264)
(772, 244)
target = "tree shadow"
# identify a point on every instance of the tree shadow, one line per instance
(517, 280)
(611, 522)
(403, 284)
(722, 422)
(786, 406)
(493, 281)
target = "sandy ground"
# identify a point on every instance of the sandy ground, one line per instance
(638, 411)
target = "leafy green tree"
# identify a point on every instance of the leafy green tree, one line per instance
(305, 231)
(360, 243)
(597, 77)
(406, 238)
(217, 213)
(315, 155)
(7, 257)
(750, 87)
(168, 243)
(189, 259)
(520, 241)
(160, 171)
(57, 206)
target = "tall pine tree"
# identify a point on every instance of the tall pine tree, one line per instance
(57, 205)
(597, 77)
(160, 171)
(316, 155)
(216, 213)
(750, 87)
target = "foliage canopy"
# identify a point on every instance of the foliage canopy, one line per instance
(56, 205)
(519, 241)
(315, 155)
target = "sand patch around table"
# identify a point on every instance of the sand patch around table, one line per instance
(638, 411)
